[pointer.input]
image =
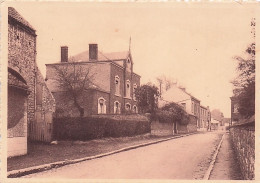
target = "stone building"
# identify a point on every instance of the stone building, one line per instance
(112, 87)
(23, 77)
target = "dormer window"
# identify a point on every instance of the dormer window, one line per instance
(117, 85)
(128, 88)
(128, 63)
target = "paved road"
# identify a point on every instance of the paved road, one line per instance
(182, 158)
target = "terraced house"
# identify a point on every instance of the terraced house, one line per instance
(112, 87)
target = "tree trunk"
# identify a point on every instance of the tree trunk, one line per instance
(175, 127)
(81, 110)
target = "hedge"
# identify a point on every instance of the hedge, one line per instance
(99, 126)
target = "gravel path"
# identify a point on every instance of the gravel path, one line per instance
(226, 166)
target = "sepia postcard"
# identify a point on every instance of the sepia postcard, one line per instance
(129, 91)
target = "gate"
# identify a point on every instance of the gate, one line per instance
(41, 131)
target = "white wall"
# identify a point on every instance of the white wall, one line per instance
(16, 146)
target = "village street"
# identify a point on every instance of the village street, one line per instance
(182, 158)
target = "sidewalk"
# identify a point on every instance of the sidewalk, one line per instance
(226, 166)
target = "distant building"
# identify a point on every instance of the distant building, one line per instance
(180, 96)
(30, 104)
(113, 84)
(215, 124)
(227, 121)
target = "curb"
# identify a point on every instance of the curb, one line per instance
(41, 168)
(212, 163)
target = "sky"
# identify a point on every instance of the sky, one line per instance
(194, 43)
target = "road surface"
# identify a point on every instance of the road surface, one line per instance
(181, 158)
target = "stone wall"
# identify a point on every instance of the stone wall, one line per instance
(161, 129)
(243, 138)
(21, 58)
(192, 126)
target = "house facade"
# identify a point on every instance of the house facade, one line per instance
(23, 77)
(113, 82)
(203, 117)
(180, 96)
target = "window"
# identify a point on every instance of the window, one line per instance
(235, 108)
(128, 64)
(135, 109)
(127, 107)
(183, 105)
(117, 107)
(128, 88)
(134, 89)
(117, 85)
(101, 106)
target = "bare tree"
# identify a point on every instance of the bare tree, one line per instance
(74, 80)
(165, 83)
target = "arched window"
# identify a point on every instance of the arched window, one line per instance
(127, 107)
(117, 107)
(134, 89)
(101, 106)
(117, 85)
(128, 88)
(135, 109)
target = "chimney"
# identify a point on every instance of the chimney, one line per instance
(93, 52)
(64, 54)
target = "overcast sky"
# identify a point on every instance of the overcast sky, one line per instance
(194, 43)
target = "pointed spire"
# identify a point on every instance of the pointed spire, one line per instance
(130, 44)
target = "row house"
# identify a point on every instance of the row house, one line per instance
(205, 118)
(112, 89)
(186, 100)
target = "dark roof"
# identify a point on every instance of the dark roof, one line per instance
(84, 56)
(15, 15)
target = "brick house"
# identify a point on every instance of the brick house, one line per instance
(113, 82)
(29, 101)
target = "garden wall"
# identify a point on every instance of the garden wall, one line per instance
(243, 138)
(192, 126)
(99, 126)
(161, 129)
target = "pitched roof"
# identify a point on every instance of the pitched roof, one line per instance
(84, 56)
(184, 90)
(15, 15)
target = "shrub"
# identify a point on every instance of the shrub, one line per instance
(177, 113)
(99, 126)
(164, 116)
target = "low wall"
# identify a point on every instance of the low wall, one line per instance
(99, 126)
(161, 129)
(192, 126)
(243, 138)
